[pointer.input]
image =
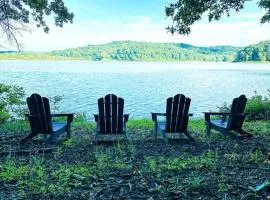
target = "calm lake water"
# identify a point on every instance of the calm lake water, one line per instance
(144, 86)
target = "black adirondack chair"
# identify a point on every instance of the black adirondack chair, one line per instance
(231, 121)
(40, 119)
(111, 118)
(176, 117)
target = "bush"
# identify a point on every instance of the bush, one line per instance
(11, 102)
(258, 107)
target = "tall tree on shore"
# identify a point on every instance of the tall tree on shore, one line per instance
(184, 13)
(15, 15)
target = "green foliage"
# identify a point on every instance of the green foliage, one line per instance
(55, 102)
(14, 15)
(223, 184)
(257, 157)
(162, 164)
(258, 52)
(195, 181)
(184, 13)
(134, 51)
(11, 101)
(258, 106)
(9, 172)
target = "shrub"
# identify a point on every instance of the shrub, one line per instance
(258, 107)
(11, 101)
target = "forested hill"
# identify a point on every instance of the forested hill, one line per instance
(146, 51)
(259, 52)
(134, 51)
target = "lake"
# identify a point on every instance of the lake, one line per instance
(144, 86)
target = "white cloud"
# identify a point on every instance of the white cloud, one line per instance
(142, 28)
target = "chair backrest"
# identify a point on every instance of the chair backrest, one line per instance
(111, 113)
(40, 114)
(177, 113)
(238, 107)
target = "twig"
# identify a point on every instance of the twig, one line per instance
(22, 152)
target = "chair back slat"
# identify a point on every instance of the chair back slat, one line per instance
(40, 114)
(114, 114)
(185, 114)
(108, 113)
(120, 113)
(111, 111)
(101, 111)
(238, 107)
(177, 113)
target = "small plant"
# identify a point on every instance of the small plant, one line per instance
(222, 184)
(151, 164)
(257, 156)
(69, 143)
(232, 157)
(196, 181)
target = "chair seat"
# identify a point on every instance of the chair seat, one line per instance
(161, 125)
(219, 123)
(58, 126)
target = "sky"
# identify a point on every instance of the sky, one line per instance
(103, 21)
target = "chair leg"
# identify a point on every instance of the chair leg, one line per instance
(68, 130)
(126, 136)
(53, 136)
(96, 140)
(165, 137)
(155, 132)
(244, 133)
(207, 129)
(189, 136)
(28, 137)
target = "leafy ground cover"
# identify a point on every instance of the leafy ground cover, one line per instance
(215, 168)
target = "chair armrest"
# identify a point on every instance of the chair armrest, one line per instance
(96, 117)
(224, 113)
(217, 113)
(69, 116)
(155, 115)
(208, 114)
(126, 116)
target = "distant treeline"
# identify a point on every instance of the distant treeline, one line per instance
(259, 52)
(145, 51)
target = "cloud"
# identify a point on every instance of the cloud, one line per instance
(142, 28)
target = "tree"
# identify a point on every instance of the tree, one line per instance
(16, 14)
(184, 13)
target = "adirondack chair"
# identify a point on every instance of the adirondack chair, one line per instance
(231, 121)
(40, 119)
(111, 118)
(176, 117)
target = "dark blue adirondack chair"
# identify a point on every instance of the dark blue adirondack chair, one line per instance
(40, 119)
(111, 119)
(176, 117)
(231, 121)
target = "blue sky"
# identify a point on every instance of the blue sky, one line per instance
(102, 21)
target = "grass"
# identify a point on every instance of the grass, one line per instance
(77, 167)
